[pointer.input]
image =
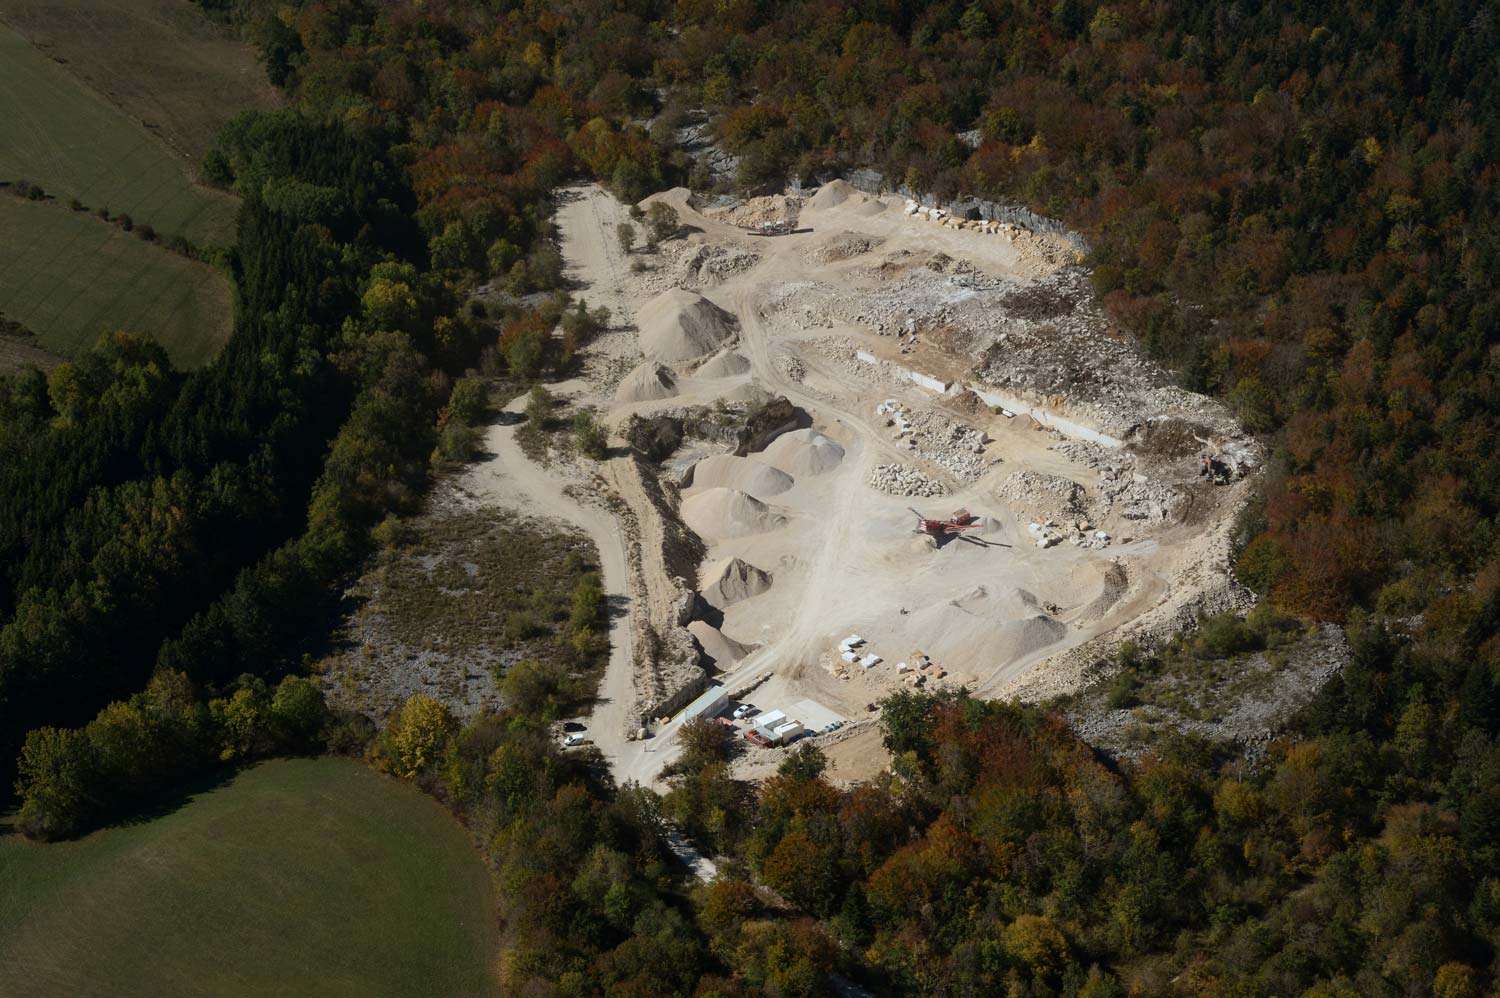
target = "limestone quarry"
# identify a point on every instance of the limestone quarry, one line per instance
(886, 366)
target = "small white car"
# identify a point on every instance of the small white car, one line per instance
(573, 741)
(743, 710)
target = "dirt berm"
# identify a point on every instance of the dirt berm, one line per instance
(669, 669)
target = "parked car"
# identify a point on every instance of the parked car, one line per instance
(743, 710)
(573, 741)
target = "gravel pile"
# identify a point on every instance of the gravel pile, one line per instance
(756, 211)
(1049, 497)
(904, 480)
(1152, 502)
(705, 264)
(842, 247)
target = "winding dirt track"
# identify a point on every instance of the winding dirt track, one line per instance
(509, 478)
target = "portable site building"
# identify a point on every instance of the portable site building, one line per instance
(788, 731)
(709, 704)
(774, 729)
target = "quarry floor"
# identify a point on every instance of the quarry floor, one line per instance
(992, 610)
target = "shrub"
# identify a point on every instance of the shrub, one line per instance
(536, 690)
(590, 435)
(1223, 636)
(1123, 690)
(662, 222)
(456, 444)
(540, 405)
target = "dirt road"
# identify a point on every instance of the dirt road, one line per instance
(509, 478)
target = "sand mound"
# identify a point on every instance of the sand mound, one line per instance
(723, 650)
(725, 471)
(832, 194)
(724, 364)
(677, 196)
(986, 626)
(678, 326)
(804, 452)
(729, 581)
(870, 206)
(719, 514)
(647, 382)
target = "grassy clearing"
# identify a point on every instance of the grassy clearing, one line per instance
(301, 876)
(57, 133)
(163, 62)
(69, 278)
(462, 595)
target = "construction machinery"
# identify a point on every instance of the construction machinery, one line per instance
(960, 521)
(780, 227)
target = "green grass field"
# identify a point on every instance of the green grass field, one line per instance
(69, 277)
(299, 877)
(163, 62)
(56, 132)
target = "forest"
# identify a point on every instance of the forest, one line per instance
(1292, 205)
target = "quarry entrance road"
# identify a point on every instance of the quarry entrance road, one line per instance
(512, 479)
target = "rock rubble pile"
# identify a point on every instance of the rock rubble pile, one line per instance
(953, 446)
(904, 480)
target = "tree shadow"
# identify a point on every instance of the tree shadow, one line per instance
(179, 796)
(616, 606)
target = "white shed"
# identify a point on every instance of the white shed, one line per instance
(710, 703)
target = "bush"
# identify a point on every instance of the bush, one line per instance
(456, 444)
(536, 690)
(540, 405)
(580, 326)
(1223, 636)
(590, 436)
(662, 222)
(1123, 690)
